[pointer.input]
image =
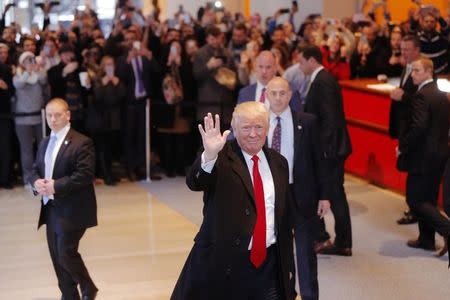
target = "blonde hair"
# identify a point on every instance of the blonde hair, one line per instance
(426, 63)
(251, 110)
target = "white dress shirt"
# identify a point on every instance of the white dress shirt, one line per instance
(268, 187)
(313, 76)
(424, 83)
(60, 138)
(287, 137)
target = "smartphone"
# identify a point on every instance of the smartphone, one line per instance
(137, 45)
(173, 49)
(284, 10)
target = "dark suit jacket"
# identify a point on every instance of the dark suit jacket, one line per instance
(74, 174)
(229, 215)
(151, 77)
(324, 100)
(311, 180)
(398, 113)
(424, 145)
(248, 93)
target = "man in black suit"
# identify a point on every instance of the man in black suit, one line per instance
(297, 139)
(244, 247)
(423, 152)
(401, 99)
(6, 125)
(63, 175)
(324, 100)
(64, 81)
(140, 73)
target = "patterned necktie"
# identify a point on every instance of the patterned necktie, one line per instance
(276, 137)
(262, 98)
(258, 251)
(48, 162)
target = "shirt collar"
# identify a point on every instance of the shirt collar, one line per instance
(259, 85)
(314, 74)
(62, 133)
(424, 83)
(249, 157)
(283, 116)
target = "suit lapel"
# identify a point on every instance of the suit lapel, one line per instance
(62, 149)
(239, 166)
(298, 132)
(253, 92)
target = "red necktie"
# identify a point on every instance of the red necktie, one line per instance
(258, 252)
(262, 98)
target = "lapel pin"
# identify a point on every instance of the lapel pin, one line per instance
(299, 127)
(66, 142)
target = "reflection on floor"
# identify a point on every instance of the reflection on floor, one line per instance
(146, 231)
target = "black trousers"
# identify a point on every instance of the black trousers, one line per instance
(262, 283)
(305, 232)
(5, 151)
(135, 136)
(339, 208)
(421, 194)
(447, 188)
(69, 267)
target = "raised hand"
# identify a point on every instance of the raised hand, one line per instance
(213, 140)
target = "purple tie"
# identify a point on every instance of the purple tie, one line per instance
(276, 138)
(140, 83)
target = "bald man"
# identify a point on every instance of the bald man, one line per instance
(266, 69)
(296, 137)
(63, 174)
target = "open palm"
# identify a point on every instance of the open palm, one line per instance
(213, 140)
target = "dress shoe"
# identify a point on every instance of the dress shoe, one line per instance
(318, 246)
(333, 250)
(408, 218)
(419, 245)
(444, 249)
(7, 186)
(90, 296)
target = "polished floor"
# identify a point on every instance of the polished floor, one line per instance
(146, 230)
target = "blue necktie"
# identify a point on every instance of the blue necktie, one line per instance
(48, 162)
(303, 91)
(276, 137)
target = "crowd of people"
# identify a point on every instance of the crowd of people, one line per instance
(219, 64)
(186, 66)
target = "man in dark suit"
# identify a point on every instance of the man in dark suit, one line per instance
(423, 152)
(401, 99)
(213, 96)
(64, 81)
(6, 125)
(324, 100)
(266, 68)
(140, 73)
(296, 137)
(244, 247)
(63, 175)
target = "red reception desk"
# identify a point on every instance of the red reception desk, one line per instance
(367, 114)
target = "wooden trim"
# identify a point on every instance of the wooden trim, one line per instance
(372, 126)
(368, 125)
